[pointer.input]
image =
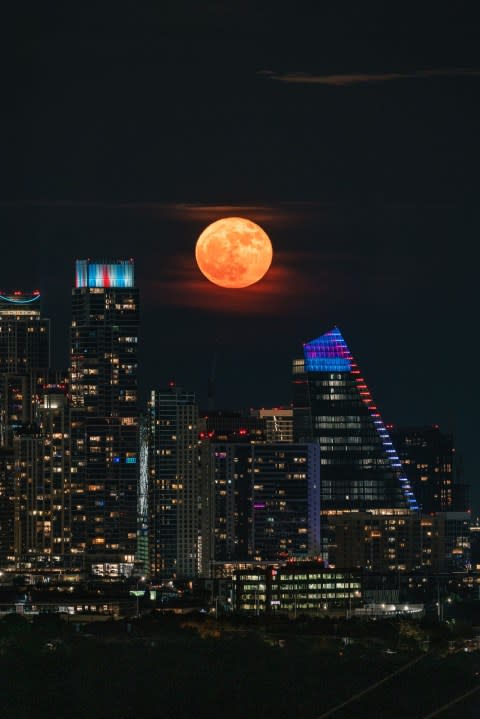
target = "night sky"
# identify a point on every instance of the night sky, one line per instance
(351, 139)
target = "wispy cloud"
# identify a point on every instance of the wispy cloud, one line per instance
(183, 285)
(344, 80)
(276, 213)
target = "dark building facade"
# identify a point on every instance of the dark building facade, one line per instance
(24, 369)
(429, 459)
(226, 490)
(259, 501)
(173, 502)
(286, 500)
(7, 507)
(24, 360)
(232, 426)
(379, 542)
(360, 469)
(105, 415)
(43, 489)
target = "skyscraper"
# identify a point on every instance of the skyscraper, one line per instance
(226, 490)
(360, 469)
(260, 500)
(7, 507)
(173, 504)
(24, 359)
(42, 488)
(24, 365)
(105, 416)
(286, 500)
(429, 458)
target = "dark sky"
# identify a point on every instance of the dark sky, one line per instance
(351, 138)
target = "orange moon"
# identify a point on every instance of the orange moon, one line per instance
(234, 252)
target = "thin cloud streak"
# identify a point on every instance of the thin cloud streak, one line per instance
(185, 286)
(273, 214)
(345, 80)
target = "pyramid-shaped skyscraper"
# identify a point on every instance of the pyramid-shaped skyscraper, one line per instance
(359, 467)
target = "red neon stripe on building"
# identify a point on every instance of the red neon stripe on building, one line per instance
(105, 276)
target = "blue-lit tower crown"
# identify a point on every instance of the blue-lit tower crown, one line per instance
(104, 273)
(360, 469)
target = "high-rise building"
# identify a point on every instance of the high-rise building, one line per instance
(43, 489)
(429, 460)
(475, 544)
(173, 503)
(278, 423)
(142, 527)
(332, 405)
(259, 501)
(286, 500)
(105, 415)
(24, 368)
(7, 507)
(24, 333)
(454, 540)
(377, 542)
(226, 487)
(24, 360)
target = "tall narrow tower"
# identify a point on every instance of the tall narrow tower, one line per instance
(42, 488)
(24, 365)
(24, 360)
(105, 417)
(173, 484)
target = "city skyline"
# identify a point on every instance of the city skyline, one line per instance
(238, 467)
(278, 392)
(351, 139)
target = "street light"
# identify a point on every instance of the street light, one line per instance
(137, 593)
(441, 607)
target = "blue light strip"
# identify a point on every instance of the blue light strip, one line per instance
(395, 462)
(104, 274)
(81, 273)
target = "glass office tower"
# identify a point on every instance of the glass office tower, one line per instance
(359, 467)
(105, 415)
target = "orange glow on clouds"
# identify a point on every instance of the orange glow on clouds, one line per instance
(278, 292)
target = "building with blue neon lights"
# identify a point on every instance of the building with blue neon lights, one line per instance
(105, 414)
(89, 273)
(15, 300)
(359, 467)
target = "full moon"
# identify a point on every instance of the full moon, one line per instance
(234, 252)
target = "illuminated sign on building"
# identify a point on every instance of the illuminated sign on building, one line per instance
(104, 274)
(21, 298)
(328, 353)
